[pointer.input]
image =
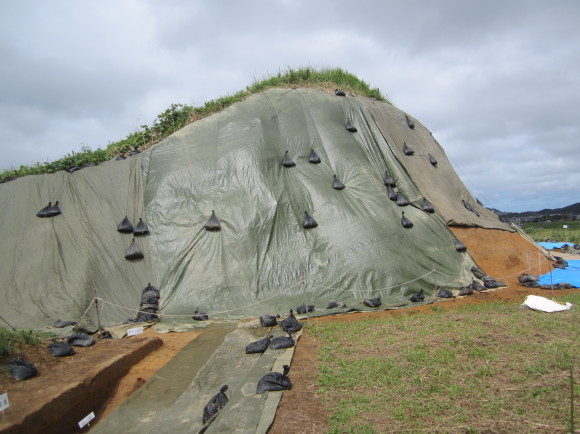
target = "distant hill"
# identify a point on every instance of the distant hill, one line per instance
(570, 212)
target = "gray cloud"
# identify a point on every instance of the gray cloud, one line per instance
(496, 82)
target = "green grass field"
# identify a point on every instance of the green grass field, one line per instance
(493, 367)
(542, 231)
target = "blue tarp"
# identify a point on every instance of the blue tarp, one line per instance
(569, 275)
(551, 246)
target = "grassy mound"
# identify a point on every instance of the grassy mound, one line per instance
(179, 115)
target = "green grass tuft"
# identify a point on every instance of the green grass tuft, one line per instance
(11, 341)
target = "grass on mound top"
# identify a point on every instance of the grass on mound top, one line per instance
(485, 368)
(179, 115)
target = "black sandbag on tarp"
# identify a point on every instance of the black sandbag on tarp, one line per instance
(259, 346)
(141, 228)
(287, 161)
(445, 293)
(391, 193)
(125, 226)
(337, 183)
(60, 324)
(215, 404)
(44, 211)
(290, 324)
(432, 160)
(313, 157)
(405, 222)
(476, 286)
(20, 369)
(427, 207)
(213, 224)
(302, 309)
(406, 150)
(372, 302)
(466, 291)
(350, 126)
(80, 340)
(60, 349)
(150, 290)
(477, 272)
(308, 222)
(274, 381)
(200, 315)
(133, 251)
(147, 317)
(333, 304)
(53, 210)
(417, 297)
(281, 342)
(269, 320)
(389, 180)
(459, 246)
(401, 199)
(410, 123)
(339, 92)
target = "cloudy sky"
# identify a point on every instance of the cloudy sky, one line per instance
(497, 82)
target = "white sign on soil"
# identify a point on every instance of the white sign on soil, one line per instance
(86, 419)
(4, 404)
(134, 331)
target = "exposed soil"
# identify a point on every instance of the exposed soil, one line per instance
(500, 254)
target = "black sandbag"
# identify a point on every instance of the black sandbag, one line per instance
(215, 404)
(338, 92)
(432, 160)
(200, 315)
(269, 320)
(133, 251)
(427, 207)
(259, 346)
(500, 284)
(60, 324)
(120, 157)
(417, 297)
(302, 309)
(149, 307)
(44, 211)
(147, 317)
(477, 272)
(287, 161)
(73, 169)
(401, 199)
(445, 293)
(53, 210)
(565, 285)
(372, 302)
(469, 207)
(125, 226)
(459, 246)
(274, 381)
(490, 283)
(388, 180)
(405, 222)
(213, 224)
(134, 151)
(141, 228)
(391, 193)
(80, 340)
(313, 157)
(149, 299)
(60, 349)
(20, 369)
(350, 126)
(281, 342)
(410, 122)
(407, 150)
(337, 183)
(308, 222)
(290, 324)
(466, 291)
(333, 304)
(150, 290)
(476, 286)
(527, 278)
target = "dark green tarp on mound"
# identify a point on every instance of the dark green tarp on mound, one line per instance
(262, 260)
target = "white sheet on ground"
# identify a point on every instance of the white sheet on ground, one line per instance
(545, 305)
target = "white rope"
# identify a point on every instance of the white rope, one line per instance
(83, 315)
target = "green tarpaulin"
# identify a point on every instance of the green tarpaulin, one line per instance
(262, 260)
